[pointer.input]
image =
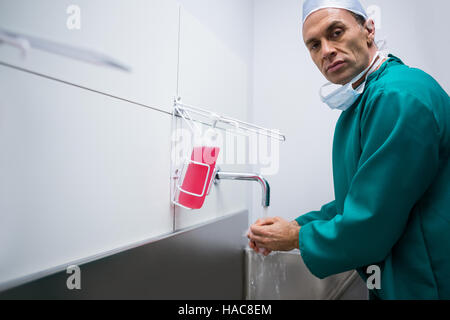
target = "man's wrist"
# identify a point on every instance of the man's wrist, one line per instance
(296, 235)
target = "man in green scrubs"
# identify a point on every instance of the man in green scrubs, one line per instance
(391, 166)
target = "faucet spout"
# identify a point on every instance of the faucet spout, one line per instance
(220, 175)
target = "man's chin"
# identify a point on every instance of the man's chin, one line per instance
(341, 77)
(342, 80)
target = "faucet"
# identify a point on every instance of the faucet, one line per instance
(220, 175)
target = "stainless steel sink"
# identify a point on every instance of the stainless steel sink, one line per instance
(284, 276)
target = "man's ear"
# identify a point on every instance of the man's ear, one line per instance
(369, 27)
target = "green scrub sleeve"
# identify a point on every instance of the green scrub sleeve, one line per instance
(327, 212)
(399, 160)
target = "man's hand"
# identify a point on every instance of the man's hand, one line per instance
(274, 234)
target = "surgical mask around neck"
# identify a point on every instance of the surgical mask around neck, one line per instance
(345, 96)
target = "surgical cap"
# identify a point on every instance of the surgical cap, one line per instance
(311, 6)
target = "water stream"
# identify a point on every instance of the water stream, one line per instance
(268, 273)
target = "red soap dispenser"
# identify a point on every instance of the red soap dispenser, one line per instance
(195, 180)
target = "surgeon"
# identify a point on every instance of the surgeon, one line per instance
(391, 165)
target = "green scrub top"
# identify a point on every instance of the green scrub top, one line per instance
(391, 173)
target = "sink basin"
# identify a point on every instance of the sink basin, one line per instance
(284, 276)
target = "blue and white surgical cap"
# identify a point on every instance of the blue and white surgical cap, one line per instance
(311, 6)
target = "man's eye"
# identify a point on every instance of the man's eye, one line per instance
(315, 46)
(337, 33)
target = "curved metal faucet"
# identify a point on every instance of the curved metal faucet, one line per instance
(220, 175)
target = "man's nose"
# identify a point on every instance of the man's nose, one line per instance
(328, 51)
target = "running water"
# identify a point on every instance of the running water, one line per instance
(268, 275)
(267, 272)
(265, 213)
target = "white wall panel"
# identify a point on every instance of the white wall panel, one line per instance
(80, 174)
(83, 173)
(141, 33)
(213, 76)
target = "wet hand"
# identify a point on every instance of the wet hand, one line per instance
(274, 234)
(262, 251)
(252, 244)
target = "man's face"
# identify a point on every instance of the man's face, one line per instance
(339, 46)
